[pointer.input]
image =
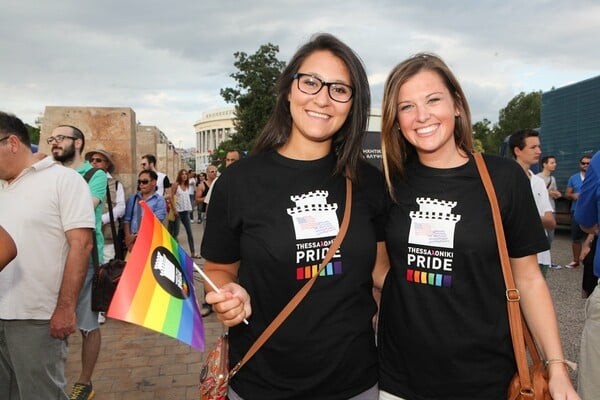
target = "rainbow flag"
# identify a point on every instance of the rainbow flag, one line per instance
(156, 289)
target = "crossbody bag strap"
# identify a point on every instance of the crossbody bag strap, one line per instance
(95, 257)
(113, 228)
(293, 303)
(515, 319)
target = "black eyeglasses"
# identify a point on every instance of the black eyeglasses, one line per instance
(143, 181)
(59, 138)
(4, 138)
(97, 159)
(585, 163)
(310, 84)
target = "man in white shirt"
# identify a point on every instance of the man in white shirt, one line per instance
(149, 164)
(526, 148)
(548, 167)
(231, 157)
(47, 209)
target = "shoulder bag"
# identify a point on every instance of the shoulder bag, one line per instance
(531, 380)
(107, 275)
(215, 373)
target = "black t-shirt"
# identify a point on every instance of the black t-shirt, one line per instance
(278, 216)
(443, 327)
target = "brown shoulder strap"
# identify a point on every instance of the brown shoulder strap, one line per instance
(287, 310)
(518, 327)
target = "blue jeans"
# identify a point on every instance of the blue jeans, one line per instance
(192, 197)
(184, 218)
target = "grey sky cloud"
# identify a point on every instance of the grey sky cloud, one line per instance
(168, 60)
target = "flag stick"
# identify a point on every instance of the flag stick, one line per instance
(211, 283)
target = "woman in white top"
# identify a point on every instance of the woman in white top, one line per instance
(180, 195)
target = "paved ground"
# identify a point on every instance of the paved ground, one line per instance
(137, 363)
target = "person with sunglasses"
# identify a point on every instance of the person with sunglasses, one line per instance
(273, 216)
(572, 193)
(134, 213)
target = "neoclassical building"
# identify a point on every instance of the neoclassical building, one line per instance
(215, 127)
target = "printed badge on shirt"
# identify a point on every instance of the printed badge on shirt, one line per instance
(314, 219)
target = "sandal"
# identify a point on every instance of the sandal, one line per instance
(572, 264)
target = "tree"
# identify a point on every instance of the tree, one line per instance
(254, 95)
(34, 133)
(522, 111)
(482, 135)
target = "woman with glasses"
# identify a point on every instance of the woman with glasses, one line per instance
(443, 328)
(134, 213)
(180, 197)
(272, 217)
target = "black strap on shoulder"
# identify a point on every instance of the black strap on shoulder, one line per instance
(88, 175)
(95, 258)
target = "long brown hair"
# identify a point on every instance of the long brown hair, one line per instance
(347, 142)
(180, 181)
(395, 149)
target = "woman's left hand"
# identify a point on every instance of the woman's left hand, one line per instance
(560, 385)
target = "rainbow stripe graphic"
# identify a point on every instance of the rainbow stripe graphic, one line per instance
(156, 289)
(428, 278)
(332, 268)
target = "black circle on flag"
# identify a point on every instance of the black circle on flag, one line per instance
(168, 273)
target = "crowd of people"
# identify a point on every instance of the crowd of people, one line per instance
(411, 306)
(56, 259)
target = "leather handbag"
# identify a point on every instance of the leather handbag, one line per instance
(107, 275)
(531, 380)
(104, 284)
(215, 376)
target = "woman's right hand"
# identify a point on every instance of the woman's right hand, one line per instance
(232, 304)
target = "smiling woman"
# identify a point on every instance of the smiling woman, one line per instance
(272, 218)
(443, 324)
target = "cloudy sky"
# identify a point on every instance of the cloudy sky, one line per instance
(167, 60)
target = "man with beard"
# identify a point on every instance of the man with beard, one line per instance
(67, 147)
(47, 210)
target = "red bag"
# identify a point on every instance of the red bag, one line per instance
(214, 376)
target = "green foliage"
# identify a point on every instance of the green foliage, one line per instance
(254, 96)
(482, 135)
(34, 133)
(522, 111)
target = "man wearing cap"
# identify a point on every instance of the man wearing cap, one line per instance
(114, 189)
(103, 160)
(67, 147)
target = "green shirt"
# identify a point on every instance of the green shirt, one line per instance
(97, 185)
